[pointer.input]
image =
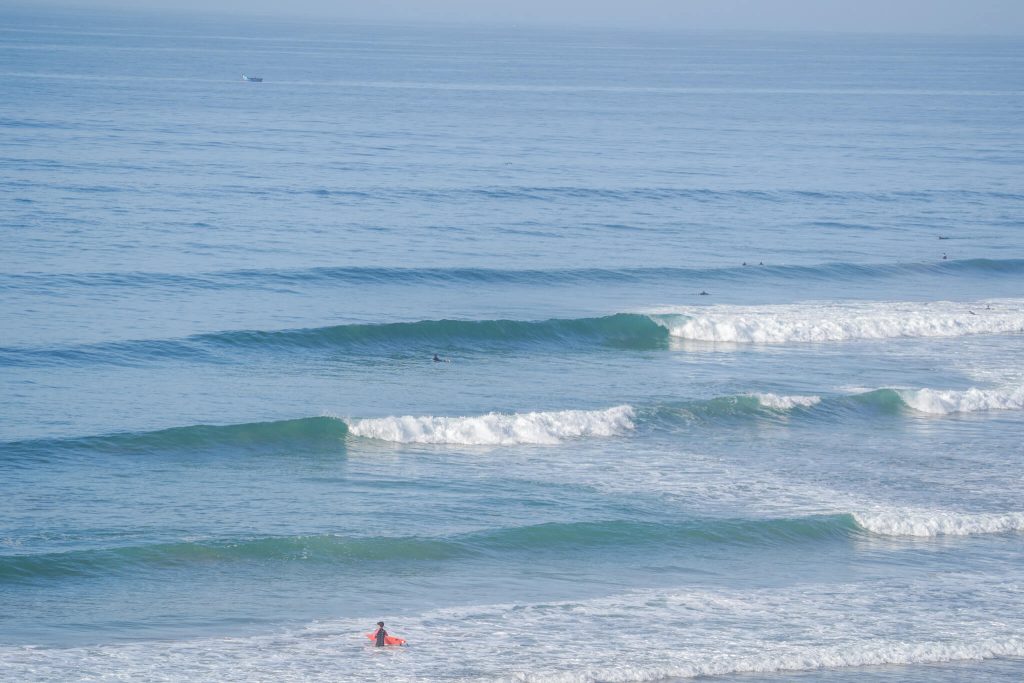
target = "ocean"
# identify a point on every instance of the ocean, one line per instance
(729, 331)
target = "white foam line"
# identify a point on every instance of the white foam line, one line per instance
(938, 618)
(776, 402)
(826, 322)
(498, 429)
(940, 402)
(925, 523)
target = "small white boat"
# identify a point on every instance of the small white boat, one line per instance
(252, 79)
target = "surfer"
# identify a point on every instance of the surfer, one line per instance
(437, 359)
(381, 638)
(702, 293)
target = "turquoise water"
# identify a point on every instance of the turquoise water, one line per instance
(226, 451)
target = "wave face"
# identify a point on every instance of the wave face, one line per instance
(122, 560)
(545, 538)
(357, 552)
(827, 322)
(972, 400)
(413, 339)
(628, 331)
(498, 429)
(311, 433)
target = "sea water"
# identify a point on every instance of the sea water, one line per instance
(730, 330)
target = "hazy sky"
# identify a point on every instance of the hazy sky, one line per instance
(928, 16)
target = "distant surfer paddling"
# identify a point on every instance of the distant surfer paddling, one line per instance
(438, 359)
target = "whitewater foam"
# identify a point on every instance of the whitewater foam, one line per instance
(941, 402)
(930, 523)
(824, 322)
(701, 633)
(497, 429)
(776, 402)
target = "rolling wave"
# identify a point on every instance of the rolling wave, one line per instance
(327, 548)
(777, 324)
(831, 322)
(536, 427)
(552, 537)
(885, 401)
(623, 330)
(308, 433)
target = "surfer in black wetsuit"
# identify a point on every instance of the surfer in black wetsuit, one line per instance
(380, 635)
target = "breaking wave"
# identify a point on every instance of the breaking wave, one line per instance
(776, 324)
(498, 429)
(776, 402)
(535, 427)
(829, 322)
(924, 523)
(941, 402)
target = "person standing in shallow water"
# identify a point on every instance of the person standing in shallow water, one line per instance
(380, 635)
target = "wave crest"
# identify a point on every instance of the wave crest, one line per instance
(776, 402)
(497, 429)
(842, 322)
(926, 524)
(941, 402)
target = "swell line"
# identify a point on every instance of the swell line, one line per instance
(525, 428)
(622, 330)
(305, 433)
(550, 537)
(817, 322)
(268, 278)
(359, 551)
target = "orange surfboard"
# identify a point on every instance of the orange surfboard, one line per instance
(388, 640)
